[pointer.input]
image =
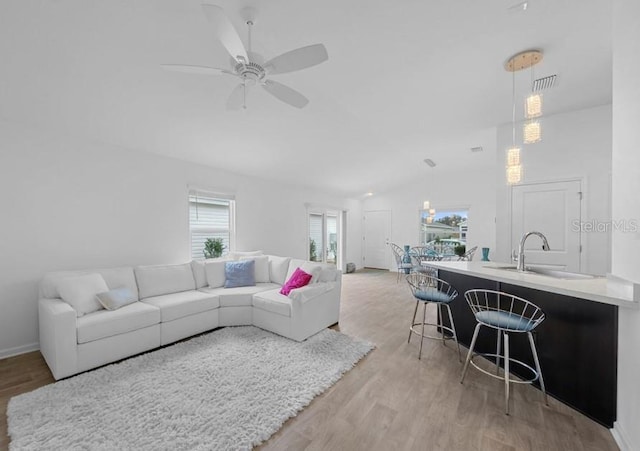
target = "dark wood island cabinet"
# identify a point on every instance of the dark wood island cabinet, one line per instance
(577, 342)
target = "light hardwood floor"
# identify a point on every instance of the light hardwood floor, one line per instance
(391, 400)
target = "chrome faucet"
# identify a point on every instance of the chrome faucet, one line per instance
(545, 247)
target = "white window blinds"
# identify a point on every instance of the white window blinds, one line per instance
(210, 216)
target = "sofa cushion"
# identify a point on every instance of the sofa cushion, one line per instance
(273, 301)
(240, 274)
(106, 323)
(261, 268)
(313, 268)
(216, 274)
(116, 298)
(278, 267)
(80, 292)
(164, 279)
(115, 278)
(178, 305)
(240, 296)
(238, 255)
(199, 271)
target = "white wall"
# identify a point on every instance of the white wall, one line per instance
(70, 205)
(574, 145)
(444, 189)
(626, 206)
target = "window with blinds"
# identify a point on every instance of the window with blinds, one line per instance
(210, 216)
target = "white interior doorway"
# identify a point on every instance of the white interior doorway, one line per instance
(551, 208)
(377, 234)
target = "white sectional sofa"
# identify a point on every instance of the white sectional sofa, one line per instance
(177, 301)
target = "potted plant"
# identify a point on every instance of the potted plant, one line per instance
(213, 248)
(460, 249)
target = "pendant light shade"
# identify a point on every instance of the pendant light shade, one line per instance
(513, 156)
(514, 174)
(533, 106)
(426, 205)
(532, 132)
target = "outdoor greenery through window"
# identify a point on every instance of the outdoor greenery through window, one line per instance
(211, 217)
(446, 229)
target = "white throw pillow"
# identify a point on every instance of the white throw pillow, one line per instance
(278, 267)
(199, 272)
(80, 292)
(261, 268)
(115, 299)
(216, 273)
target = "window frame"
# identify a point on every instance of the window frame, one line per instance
(212, 196)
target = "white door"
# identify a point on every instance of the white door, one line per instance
(550, 208)
(377, 231)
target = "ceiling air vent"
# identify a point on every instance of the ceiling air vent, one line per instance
(477, 149)
(543, 83)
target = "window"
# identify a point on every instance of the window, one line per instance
(324, 236)
(210, 216)
(446, 227)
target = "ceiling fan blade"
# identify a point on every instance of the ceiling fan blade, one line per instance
(236, 99)
(225, 32)
(202, 70)
(285, 94)
(297, 59)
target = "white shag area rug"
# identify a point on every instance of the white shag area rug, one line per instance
(226, 390)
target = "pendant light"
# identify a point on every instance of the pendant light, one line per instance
(426, 205)
(532, 130)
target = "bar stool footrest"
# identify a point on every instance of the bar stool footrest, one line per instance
(448, 336)
(535, 374)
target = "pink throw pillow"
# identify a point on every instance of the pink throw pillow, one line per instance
(298, 279)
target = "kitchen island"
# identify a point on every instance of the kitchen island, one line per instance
(577, 342)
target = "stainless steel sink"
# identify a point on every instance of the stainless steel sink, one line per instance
(555, 273)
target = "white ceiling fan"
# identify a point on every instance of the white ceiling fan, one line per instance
(250, 66)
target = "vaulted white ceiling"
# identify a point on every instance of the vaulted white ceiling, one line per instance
(405, 80)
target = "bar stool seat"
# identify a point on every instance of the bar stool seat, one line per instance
(426, 289)
(507, 314)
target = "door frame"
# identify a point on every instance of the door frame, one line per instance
(583, 212)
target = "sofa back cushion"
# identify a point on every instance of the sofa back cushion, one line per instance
(320, 272)
(164, 279)
(114, 277)
(200, 272)
(81, 291)
(278, 269)
(215, 272)
(262, 268)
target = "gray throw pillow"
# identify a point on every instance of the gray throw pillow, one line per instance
(114, 299)
(240, 274)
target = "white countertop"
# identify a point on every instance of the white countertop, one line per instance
(599, 289)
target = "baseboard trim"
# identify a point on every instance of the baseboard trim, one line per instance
(621, 437)
(5, 353)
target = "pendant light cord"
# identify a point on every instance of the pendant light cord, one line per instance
(513, 110)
